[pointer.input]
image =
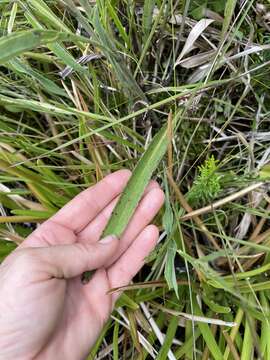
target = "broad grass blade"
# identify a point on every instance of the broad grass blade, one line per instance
(137, 184)
(17, 43)
(228, 14)
(147, 19)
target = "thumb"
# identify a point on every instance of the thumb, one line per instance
(67, 261)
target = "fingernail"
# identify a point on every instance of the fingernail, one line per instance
(108, 239)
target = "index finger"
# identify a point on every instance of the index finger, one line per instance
(77, 214)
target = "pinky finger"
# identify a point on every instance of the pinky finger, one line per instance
(127, 266)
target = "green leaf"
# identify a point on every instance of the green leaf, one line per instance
(215, 307)
(137, 184)
(147, 19)
(7, 201)
(228, 14)
(115, 341)
(169, 273)
(247, 351)
(163, 354)
(125, 300)
(265, 330)
(12, 17)
(34, 213)
(17, 43)
(118, 24)
(22, 68)
(167, 220)
(265, 172)
(207, 334)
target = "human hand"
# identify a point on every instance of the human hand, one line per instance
(45, 310)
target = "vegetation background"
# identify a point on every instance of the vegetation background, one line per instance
(84, 87)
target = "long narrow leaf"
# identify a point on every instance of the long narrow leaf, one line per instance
(137, 184)
(17, 43)
(147, 19)
(228, 14)
(207, 335)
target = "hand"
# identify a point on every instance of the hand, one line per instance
(45, 310)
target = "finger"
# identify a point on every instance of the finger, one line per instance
(84, 207)
(93, 231)
(68, 261)
(127, 266)
(86, 313)
(95, 302)
(146, 211)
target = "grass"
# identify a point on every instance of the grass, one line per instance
(84, 87)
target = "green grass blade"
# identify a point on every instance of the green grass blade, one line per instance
(23, 69)
(115, 341)
(228, 14)
(168, 221)
(247, 348)
(137, 184)
(207, 335)
(265, 330)
(47, 108)
(163, 354)
(126, 301)
(234, 331)
(43, 9)
(147, 19)
(99, 341)
(187, 347)
(169, 272)
(71, 6)
(118, 24)
(12, 17)
(17, 43)
(33, 213)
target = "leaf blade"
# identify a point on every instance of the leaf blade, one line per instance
(137, 184)
(16, 43)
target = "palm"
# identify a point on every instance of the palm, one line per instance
(83, 309)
